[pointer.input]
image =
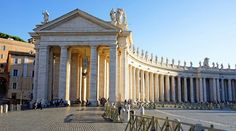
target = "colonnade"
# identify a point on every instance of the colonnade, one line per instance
(147, 86)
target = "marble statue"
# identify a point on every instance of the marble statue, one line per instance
(200, 63)
(191, 64)
(206, 62)
(221, 66)
(113, 17)
(45, 17)
(184, 64)
(217, 65)
(228, 66)
(146, 55)
(156, 59)
(151, 56)
(161, 60)
(213, 64)
(142, 54)
(137, 51)
(167, 61)
(178, 63)
(173, 62)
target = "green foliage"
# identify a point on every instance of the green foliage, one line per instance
(6, 36)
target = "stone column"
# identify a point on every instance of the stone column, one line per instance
(218, 89)
(229, 90)
(113, 74)
(137, 84)
(36, 64)
(204, 90)
(185, 90)
(151, 89)
(133, 84)
(130, 83)
(142, 87)
(167, 88)
(200, 90)
(68, 65)
(63, 73)
(156, 88)
(223, 90)
(197, 90)
(93, 75)
(42, 74)
(80, 77)
(147, 86)
(191, 90)
(214, 90)
(173, 88)
(162, 87)
(125, 73)
(179, 89)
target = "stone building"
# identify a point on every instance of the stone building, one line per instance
(79, 56)
(21, 69)
(6, 46)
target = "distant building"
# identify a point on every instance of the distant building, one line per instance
(7, 46)
(21, 69)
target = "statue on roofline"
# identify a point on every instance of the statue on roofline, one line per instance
(118, 18)
(45, 17)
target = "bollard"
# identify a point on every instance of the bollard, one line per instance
(1, 109)
(18, 107)
(11, 107)
(5, 108)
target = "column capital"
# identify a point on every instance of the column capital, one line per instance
(64, 46)
(93, 46)
(113, 46)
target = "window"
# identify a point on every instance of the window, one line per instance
(16, 61)
(1, 56)
(32, 73)
(14, 85)
(15, 72)
(4, 48)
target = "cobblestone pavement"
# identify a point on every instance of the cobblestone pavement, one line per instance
(222, 119)
(58, 119)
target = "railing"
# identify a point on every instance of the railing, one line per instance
(111, 113)
(148, 123)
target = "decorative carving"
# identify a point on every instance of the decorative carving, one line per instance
(206, 62)
(113, 17)
(45, 17)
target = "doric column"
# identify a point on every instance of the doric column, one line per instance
(80, 77)
(93, 75)
(133, 84)
(42, 74)
(223, 90)
(173, 88)
(130, 83)
(68, 67)
(162, 86)
(113, 94)
(218, 89)
(197, 90)
(185, 90)
(151, 89)
(167, 88)
(147, 86)
(229, 90)
(191, 90)
(200, 90)
(142, 95)
(137, 72)
(156, 88)
(179, 89)
(214, 90)
(204, 90)
(62, 75)
(125, 72)
(36, 73)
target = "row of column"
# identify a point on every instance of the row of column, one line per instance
(155, 87)
(42, 74)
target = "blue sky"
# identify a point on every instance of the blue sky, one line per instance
(187, 30)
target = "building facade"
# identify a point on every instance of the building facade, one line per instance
(79, 56)
(21, 68)
(7, 46)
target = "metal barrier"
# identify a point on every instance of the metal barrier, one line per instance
(148, 123)
(111, 113)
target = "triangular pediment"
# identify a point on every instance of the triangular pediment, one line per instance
(77, 21)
